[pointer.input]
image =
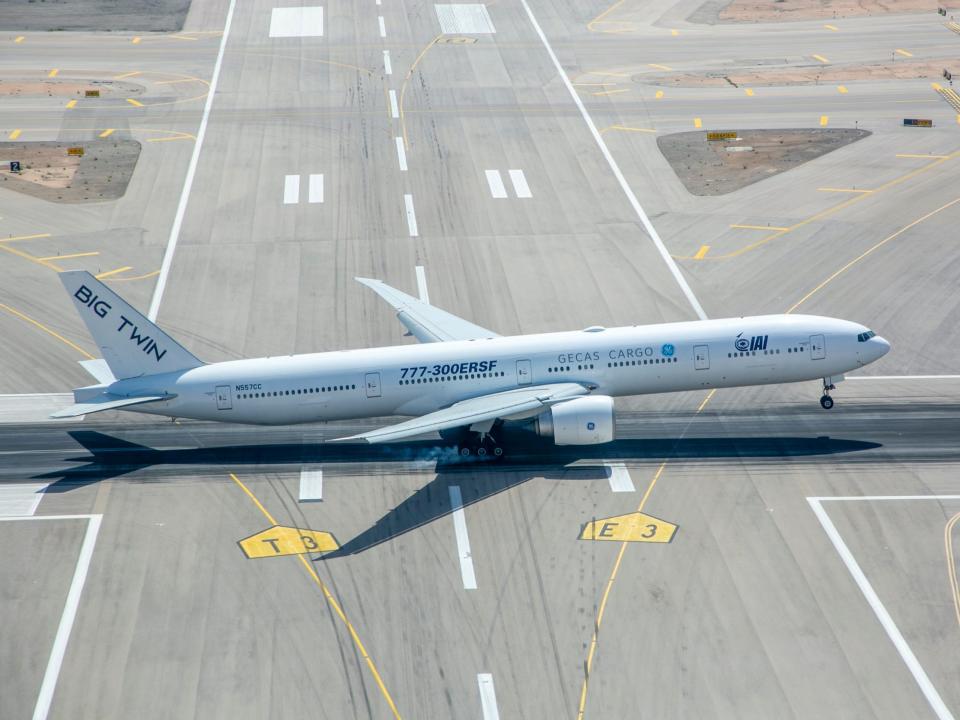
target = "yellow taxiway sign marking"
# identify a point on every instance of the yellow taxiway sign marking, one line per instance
(655, 66)
(697, 123)
(135, 103)
(821, 58)
(14, 134)
(759, 227)
(659, 94)
(281, 540)
(702, 252)
(904, 53)
(71, 104)
(53, 73)
(115, 271)
(632, 527)
(832, 28)
(106, 133)
(846, 190)
(842, 89)
(748, 91)
(19, 39)
(824, 119)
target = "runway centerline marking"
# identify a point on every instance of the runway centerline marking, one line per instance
(338, 610)
(519, 181)
(497, 189)
(422, 292)
(191, 172)
(387, 65)
(394, 107)
(488, 697)
(467, 573)
(873, 600)
(401, 154)
(383, 27)
(411, 215)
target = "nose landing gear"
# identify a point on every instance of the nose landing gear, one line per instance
(826, 402)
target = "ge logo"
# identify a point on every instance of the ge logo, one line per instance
(667, 350)
(741, 344)
(591, 426)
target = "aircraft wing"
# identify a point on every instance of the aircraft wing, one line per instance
(106, 401)
(426, 322)
(519, 401)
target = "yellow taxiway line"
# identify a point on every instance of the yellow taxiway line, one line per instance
(821, 58)
(41, 326)
(115, 271)
(702, 252)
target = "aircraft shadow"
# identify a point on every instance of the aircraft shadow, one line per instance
(111, 457)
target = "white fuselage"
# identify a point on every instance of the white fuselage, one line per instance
(417, 379)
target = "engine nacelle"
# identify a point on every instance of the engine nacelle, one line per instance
(582, 421)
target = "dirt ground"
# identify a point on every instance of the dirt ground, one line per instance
(66, 87)
(49, 173)
(93, 15)
(710, 168)
(742, 11)
(808, 74)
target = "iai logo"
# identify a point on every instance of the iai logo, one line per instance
(741, 343)
(757, 342)
(667, 350)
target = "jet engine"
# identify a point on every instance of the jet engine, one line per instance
(582, 421)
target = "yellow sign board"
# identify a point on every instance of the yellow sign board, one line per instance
(281, 540)
(75, 151)
(92, 93)
(721, 136)
(633, 527)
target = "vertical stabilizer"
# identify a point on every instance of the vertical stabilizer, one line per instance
(131, 345)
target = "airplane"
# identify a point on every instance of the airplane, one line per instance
(462, 380)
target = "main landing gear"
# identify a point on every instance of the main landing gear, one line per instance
(480, 445)
(826, 402)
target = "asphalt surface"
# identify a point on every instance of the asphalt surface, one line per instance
(749, 612)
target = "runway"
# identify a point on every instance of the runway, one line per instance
(483, 601)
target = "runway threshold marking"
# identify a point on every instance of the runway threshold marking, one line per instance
(44, 328)
(951, 564)
(873, 600)
(615, 170)
(869, 252)
(191, 171)
(702, 252)
(332, 601)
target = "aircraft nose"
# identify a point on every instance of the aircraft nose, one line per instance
(880, 345)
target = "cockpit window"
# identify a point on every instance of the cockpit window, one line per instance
(864, 336)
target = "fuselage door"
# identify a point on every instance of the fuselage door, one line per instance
(524, 372)
(818, 347)
(372, 381)
(224, 401)
(701, 357)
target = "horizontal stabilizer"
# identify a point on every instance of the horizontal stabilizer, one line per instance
(476, 410)
(426, 322)
(106, 401)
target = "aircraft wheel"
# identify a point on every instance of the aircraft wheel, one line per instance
(826, 402)
(481, 451)
(464, 452)
(498, 451)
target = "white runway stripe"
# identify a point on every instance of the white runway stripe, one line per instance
(401, 154)
(291, 189)
(387, 65)
(311, 484)
(383, 27)
(520, 184)
(619, 477)
(20, 499)
(422, 284)
(411, 215)
(286, 22)
(315, 193)
(488, 697)
(394, 108)
(463, 541)
(495, 181)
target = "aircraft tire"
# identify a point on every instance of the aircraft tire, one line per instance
(826, 402)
